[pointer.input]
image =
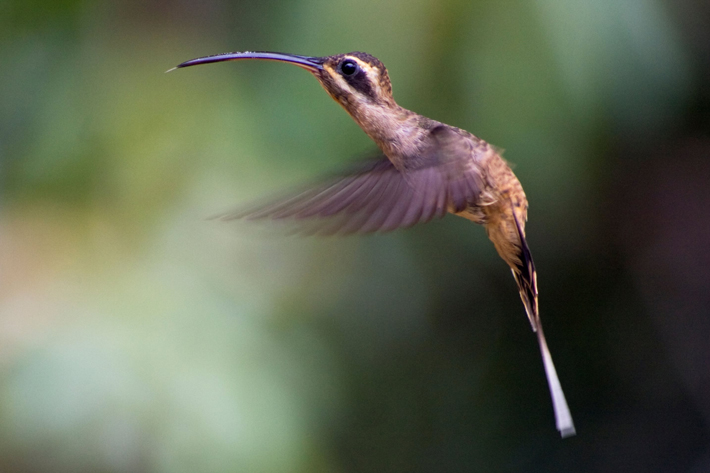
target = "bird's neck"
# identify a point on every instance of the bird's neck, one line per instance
(395, 130)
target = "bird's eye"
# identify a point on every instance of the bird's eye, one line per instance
(348, 67)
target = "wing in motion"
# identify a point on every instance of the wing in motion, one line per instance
(377, 196)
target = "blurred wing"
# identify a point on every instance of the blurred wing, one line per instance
(376, 196)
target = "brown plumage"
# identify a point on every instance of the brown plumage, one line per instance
(426, 169)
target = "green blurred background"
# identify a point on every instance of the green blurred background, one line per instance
(138, 336)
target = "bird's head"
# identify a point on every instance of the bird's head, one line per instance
(356, 79)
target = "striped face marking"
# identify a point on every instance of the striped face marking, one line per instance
(356, 76)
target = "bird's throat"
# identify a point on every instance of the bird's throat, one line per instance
(395, 129)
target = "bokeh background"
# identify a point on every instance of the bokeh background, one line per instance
(136, 335)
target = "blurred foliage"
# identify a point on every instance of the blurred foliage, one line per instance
(137, 336)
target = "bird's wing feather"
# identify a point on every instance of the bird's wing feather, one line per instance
(377, 196)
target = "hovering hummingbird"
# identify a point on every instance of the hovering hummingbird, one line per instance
(426, 169)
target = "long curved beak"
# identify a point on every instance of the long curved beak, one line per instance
(311, 64)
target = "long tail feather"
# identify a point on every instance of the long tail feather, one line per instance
(526, 277)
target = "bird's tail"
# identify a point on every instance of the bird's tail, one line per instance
(526, 277)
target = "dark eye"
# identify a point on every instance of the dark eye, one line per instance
(348, 67)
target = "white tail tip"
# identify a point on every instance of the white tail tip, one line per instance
(563, 417)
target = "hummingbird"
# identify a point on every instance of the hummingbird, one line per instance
(425, 169)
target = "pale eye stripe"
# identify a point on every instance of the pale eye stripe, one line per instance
(340, 81)
(372, 73)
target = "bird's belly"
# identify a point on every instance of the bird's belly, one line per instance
(472, 213)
